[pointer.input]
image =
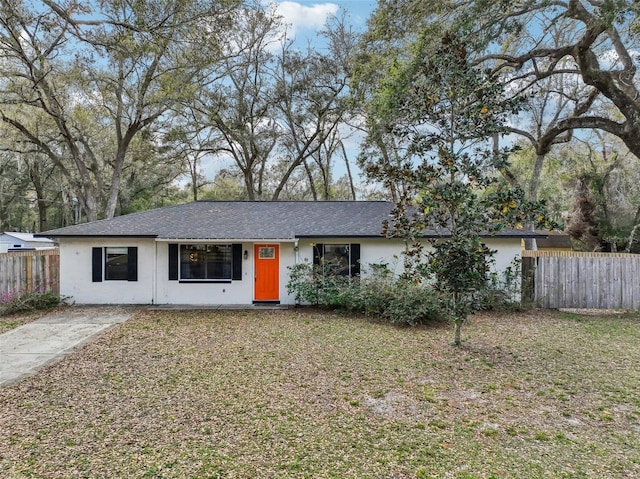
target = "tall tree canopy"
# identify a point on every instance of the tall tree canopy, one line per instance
(83, 80)
(273, 110)
(590, 42)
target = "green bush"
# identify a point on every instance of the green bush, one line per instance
(371, 296)
(19, 303)
(377, 295)
(502, 291)
(413, 304)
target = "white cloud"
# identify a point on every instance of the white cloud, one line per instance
(306, 17)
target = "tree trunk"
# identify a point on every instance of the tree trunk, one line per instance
(40, 197)
(89, 204)
(312, 185)
(458, 332)
(632, 237)
(530, 244)
(346, 163)
(534, 182)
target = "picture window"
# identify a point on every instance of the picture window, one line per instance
(206, 262)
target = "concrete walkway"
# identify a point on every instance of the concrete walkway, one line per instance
(26, 349)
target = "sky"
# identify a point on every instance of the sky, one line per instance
(306, 17)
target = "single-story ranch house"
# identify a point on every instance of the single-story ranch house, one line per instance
(228, 252)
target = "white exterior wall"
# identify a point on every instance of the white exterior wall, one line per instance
(372, 250)
(508, 250)
(154, 287)
(234, 292)
(75, 272)
(381, 250)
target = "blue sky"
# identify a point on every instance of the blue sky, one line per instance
(308, 16)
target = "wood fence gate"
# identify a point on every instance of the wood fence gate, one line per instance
(566, 279)
(27, 271)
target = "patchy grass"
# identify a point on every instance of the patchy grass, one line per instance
(305, 394)
(14, 320)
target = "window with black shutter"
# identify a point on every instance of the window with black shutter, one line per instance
(114, 263)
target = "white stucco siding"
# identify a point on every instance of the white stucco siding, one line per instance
(154, 286)
(389, 252)
(508, 250)
(287, 259)
(211, 293)
(76, 282)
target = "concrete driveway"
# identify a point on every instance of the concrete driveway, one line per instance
(26, 349)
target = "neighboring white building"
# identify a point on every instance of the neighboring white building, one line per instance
(228, 252)
(11, 241)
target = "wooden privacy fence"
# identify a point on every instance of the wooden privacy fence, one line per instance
(28, 271)
(566, 279)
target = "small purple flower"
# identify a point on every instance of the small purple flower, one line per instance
(7, 296)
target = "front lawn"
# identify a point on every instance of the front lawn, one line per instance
(310, 394)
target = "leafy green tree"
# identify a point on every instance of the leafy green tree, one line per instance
(580, 51)
(446, 113)
(226, 185)
(99, 74)
(14, 183)
(573, 63)
(590, 185)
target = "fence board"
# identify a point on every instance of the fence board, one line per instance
(586, 280)
(27, 271)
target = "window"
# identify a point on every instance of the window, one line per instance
(338, 259)
(116, 263)
(206, 261)
(266, 252)
(116, 266)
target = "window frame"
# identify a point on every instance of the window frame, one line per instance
(101, 267)
(114, 271)
(177, 273)
(352, 266)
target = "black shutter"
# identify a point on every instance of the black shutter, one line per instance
(237, 262)
(318, 253)
(96, 265)
(173, 262)
(355, 259)
(132, 265)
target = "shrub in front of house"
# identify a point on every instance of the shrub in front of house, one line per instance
(503, 290)
(413, 304)
(381, 295)
(12, 302)
(377, 295)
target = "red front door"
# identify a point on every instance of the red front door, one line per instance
(267, 272)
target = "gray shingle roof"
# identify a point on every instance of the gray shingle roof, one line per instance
(249, 220)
